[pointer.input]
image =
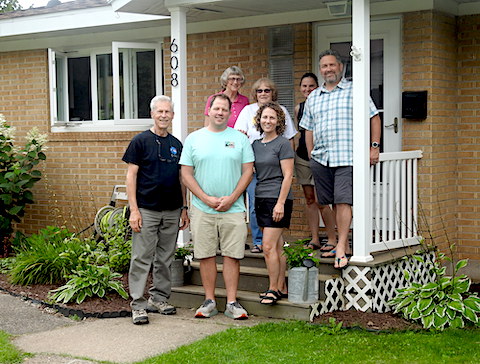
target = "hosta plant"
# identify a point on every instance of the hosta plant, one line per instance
(444, 303)
(88, 282)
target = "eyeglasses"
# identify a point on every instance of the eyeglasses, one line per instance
(267, 90)
(173, 153)
(237, 79)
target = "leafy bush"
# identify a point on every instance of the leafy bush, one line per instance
(46, 258)
(183, 252)
(440, 304)
(92, 280)
(297, 252)
(17, 175)
(117, 242)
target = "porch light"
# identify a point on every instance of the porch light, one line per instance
(339, 8)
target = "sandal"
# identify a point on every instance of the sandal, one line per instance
(282, 294)
(269, 300)
(329, 254)
(313, 246)
(341, 263)
(327, 247)
(256, 249)
(265, 294)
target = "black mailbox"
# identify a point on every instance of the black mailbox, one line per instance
(414, 105)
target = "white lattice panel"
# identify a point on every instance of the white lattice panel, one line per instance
(357, 288)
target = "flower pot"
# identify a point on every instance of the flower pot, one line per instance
(303, 285)
(177, 272)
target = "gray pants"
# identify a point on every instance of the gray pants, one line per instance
(154, 244)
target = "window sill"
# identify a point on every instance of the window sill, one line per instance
(89, 127)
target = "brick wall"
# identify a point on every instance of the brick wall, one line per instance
(468, 144)
(429, 63)
(81, 168)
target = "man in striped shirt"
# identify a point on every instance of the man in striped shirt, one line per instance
(328, 120)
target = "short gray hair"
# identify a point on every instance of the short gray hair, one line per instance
(158, 99)
(331, 52)
(233, 70)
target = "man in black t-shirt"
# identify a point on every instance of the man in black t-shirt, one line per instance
(157, 202)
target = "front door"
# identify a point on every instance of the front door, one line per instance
(385, 74)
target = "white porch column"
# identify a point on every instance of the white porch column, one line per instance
(178, 81)
(362, 219)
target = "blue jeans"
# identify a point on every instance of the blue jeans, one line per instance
(257, 235)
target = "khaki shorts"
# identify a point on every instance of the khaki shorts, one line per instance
(303, 171)
(211, 230)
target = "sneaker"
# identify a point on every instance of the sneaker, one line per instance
(160, 306)
(207, 309)
(139, 317)
(235, 311)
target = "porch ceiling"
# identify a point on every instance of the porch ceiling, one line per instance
(207, 10)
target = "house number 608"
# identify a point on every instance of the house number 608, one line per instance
(174, 63)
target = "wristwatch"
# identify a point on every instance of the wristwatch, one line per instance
(375, 145)
(184, 208)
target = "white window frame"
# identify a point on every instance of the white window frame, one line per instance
(96, 125)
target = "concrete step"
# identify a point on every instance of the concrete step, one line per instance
(252, 279)
(192, 296)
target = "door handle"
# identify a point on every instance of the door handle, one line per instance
(394, 125)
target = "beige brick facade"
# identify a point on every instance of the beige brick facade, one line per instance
(440, 55)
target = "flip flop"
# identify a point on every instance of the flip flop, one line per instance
(329, 254)
(256, 249)
(327, 247)
(341, 263)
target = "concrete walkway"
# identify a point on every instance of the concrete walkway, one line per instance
(55, 339)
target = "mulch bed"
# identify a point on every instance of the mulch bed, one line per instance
(115, 306)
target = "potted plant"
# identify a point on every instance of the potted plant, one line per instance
(302, 272)
(180, 265)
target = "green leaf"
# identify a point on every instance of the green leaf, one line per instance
(440, 310)
(471, 315)
(455, 297)
(424, 303)
(439, 296)
(457, 322)
(462, 286)
(460, 264)
(456, 306)
(36, 173)
(472, 304)
(415, 314)
(418, 258)
(42, 156)
(406, 274)
(427, 321)
(430, 286)
(428, 310)
(439, 322)
(450, 313)
(15, 210)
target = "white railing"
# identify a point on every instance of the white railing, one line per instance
(394, 200)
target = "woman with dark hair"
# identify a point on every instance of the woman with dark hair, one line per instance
(231, 80)
(263, 92)
(308, 83)
(274, 158)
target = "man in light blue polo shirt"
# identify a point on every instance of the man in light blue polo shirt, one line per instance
(328, 120)
(217, 166)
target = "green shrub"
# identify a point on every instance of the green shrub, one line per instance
(17, 175)
(117, 241)
(92, 280)
(440, 304)
(46, 258)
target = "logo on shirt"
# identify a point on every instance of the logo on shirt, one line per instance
(173, 151)
(229, 144)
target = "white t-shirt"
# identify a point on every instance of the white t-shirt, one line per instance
(246, 122)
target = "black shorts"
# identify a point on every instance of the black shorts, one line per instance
(264, 211)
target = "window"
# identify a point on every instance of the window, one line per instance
(104, 89)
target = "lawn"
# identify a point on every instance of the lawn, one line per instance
(298, 342)
(8, 353)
